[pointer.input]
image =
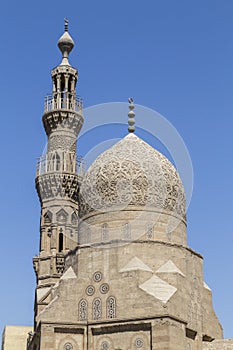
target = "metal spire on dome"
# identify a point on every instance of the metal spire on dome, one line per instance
(131, 115)
(66, 24)
(65, 44)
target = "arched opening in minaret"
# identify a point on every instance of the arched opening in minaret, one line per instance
(64, 92)
(60, 243)
(69, 86)
(63, 85)
(56, 162)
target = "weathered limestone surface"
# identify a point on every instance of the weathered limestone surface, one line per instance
(15, 337)
(171, 302)
(226, 344)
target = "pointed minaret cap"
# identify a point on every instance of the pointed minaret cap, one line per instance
(65, 44)
(131, 115)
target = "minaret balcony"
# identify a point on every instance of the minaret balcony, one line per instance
(63, 100)
(59, 162)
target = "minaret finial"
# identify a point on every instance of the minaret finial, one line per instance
(131, 115)
(65, 44)
(66, 24)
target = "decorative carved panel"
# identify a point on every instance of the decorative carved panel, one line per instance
(111, 307)
(83, 310)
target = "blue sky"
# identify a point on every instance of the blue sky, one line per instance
(175, 57)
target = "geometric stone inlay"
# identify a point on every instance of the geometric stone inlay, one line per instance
(111, 307)
(97, 277)
(41, 292)
(158, 288)
(69, 274)
(104, 345)
(68, 346)
(97, 309)
(135, 264)
(90, 290)
(83, 310)
(170, 267)
(139, 343)
(104, 288)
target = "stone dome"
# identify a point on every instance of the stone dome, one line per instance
(131, 174)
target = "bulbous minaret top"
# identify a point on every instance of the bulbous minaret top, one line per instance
(65, 44)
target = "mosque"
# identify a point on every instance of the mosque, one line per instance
(114, 271)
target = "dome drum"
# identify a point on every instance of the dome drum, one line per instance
(131, 225)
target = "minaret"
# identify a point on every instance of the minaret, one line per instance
(58, 175)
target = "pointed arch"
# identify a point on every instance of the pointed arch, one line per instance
(82, 310)
(60, 241)
(97, 309)
(111, 307)
(74, 219)
(62, 216)
(56, 161)
(48, 217)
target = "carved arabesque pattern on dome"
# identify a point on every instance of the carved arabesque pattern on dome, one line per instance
(116, 180)
(132, 173)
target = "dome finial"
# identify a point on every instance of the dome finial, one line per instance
(65, 44)
(131, 115)
(66, 24)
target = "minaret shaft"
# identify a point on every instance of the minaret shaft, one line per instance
(58, 176)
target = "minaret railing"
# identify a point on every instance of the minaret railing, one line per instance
(63, 100)
(60, 162)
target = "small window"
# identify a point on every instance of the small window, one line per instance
(60, 246)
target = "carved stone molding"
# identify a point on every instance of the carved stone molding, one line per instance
(64, 69)
(57, 185)
(61, 120)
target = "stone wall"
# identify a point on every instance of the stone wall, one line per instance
(226, 344)
(15, 337)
